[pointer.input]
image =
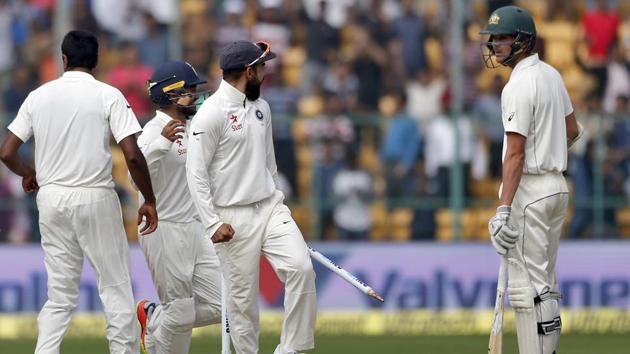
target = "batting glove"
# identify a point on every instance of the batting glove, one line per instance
(503, 237)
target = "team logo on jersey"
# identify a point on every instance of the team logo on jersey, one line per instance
(511, 116)
(233, 118)
(494, 19)
(259, 114)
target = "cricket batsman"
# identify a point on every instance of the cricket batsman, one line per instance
(71, 120)
(539, 127)
(183, 264)
(232, 176)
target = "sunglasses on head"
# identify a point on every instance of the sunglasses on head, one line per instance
(266, 49)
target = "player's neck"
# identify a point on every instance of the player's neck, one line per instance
(239, 83)
(83, 70)
(174, 113)
(518, 59)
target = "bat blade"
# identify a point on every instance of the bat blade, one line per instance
(495, 344)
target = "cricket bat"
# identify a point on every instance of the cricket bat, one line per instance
(495, 345)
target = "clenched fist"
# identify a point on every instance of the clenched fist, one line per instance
(224, 233)
(173, 130)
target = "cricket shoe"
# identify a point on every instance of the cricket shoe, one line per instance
(277, 351)
(144, 310)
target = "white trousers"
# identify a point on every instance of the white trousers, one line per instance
(78, 222)
(267, 227)
(186, 274)
(538, 209)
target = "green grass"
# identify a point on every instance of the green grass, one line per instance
(570, 344)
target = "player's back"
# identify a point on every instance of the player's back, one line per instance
(70, 121)
(536, 104)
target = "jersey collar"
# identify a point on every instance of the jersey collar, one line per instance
(525, 63)
(231, 93)
(162, 117)
(73, 74)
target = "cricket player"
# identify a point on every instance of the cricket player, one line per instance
(183, 263)
(71, 120)
(539, 127)
(232, 176)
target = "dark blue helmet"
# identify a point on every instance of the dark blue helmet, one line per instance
(170, 79)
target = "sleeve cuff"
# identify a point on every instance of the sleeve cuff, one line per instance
(212, 229)
(21, 135)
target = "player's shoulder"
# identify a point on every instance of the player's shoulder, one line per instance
(261, 102)
(108, 91)
(212, 111)
(47, 88)
(549, 70)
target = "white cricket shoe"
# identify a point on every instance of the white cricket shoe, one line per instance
(277, 351)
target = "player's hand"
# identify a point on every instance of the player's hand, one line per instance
(173, 130)
(29, 182)
(224, 233)
(148, 211)
(502, 235)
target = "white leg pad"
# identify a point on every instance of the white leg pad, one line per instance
(549, 325)
(521, 296)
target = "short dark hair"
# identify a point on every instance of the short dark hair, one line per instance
(81, 49)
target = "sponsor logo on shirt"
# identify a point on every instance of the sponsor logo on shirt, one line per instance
(511, 116)
(235, 125)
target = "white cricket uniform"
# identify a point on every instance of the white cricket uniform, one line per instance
(79, 212)
(183, 263)
(535, 104)
(231, 172)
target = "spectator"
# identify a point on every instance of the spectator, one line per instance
(331, 126)
(83, 17)
(489, 126)
(399, 152)
(324, 172)
(341, 82)
(130, 77)
(233, 29)
(581, 167)
(369, 59)
(352, 187)
(6, 39)
(617, 163)
(599, 31)
(409, 29)
(282, 100)
(424, 95)
(618, 82)
(440, 151)
(321, 42)
(21, 85)
(6, 207)
(154, 48)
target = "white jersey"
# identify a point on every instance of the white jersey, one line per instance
(167, 165)
(535, 104)
(230, 154)
(71, 119)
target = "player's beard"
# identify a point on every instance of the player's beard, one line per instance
(187, 111)
(252, 89)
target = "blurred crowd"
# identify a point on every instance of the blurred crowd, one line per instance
(366, 142)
